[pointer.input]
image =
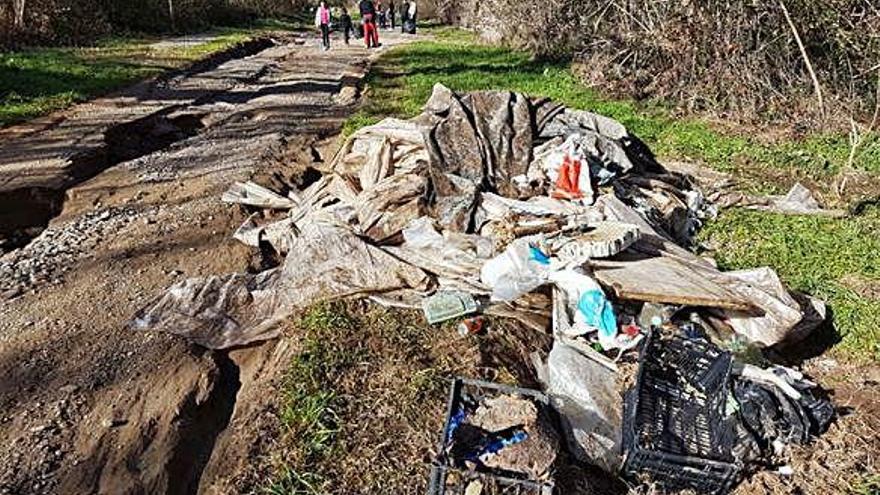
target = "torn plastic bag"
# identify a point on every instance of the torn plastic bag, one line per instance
(579, 161)
(325, 262)
(783, 318)
(215, 312)
(567, 168)
(798, 201)
(590, 308)
(584, 393)
(573, 180)
(774, 419)
(520, 269)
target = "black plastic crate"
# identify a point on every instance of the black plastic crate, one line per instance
(447, 479)
(675, 430)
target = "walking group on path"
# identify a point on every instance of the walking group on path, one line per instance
(374, 16)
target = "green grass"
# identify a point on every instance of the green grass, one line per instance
(815, 255)
(869, 485)
(38, 81)
(403, 79)
(811, 254)
(308, 406)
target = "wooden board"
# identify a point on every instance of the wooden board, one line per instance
(665, 280)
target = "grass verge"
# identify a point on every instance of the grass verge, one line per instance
(39, 81)
(363, 403)
(309, 406)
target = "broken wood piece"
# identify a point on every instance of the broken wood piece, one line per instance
(252, 194)
(664, 280)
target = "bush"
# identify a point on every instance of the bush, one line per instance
(82, 21)
(730, 57)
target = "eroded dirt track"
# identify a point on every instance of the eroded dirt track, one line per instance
(87, 405)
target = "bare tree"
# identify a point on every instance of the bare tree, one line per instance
(170, 14)
(809, 64)
(18, 7)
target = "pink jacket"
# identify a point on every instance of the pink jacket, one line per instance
(322, 16)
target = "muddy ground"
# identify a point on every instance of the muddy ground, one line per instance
(89, 406)
(130, 187)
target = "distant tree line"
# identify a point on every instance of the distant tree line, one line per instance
(24, 22)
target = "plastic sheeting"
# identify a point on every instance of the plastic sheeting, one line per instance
(585, 394)
(449, 200)
(326, 262)
(782, 319)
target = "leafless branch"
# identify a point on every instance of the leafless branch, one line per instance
(800, 44)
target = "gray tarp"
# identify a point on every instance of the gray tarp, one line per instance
(409, 206)
(326, 262)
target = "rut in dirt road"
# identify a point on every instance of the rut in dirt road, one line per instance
(200, 425)
(100, 408)
(27, 204)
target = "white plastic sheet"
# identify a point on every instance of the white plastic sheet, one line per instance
(585, 394)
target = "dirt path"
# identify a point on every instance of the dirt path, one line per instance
(86, 405)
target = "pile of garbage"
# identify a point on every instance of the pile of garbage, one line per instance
(494, 203)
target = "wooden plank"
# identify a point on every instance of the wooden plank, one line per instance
(635, 276)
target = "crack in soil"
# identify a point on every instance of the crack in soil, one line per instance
(200, 426)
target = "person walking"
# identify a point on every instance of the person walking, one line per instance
(368, 14)
(322, 22)
(411, 17)
(404, 12)
(346, 24)
(380, 14)
(391, 13)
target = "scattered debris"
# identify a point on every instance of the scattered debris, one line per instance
(448, 481)
(446, 305)
(698, 420)
(598, 240)
(677, 429)
(584, 392)
(499, 204)
(471, 326)
(720, 189)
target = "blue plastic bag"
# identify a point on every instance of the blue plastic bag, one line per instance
(598, 313)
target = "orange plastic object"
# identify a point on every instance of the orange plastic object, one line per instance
(567, 182)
